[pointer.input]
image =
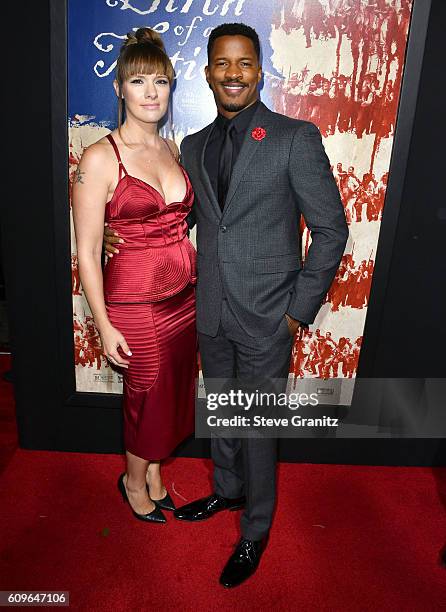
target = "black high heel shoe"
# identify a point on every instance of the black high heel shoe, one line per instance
(156, 516)
(166, 502)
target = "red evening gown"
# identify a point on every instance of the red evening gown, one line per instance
(150, 298)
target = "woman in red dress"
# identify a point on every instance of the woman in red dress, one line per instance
(144, 302)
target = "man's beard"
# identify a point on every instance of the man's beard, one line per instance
(234, 108)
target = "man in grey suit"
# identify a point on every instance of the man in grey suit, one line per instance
(254, 172)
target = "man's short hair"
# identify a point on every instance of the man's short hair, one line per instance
(234, 29)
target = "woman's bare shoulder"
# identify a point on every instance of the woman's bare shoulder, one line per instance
(173, 147)
(98, 154)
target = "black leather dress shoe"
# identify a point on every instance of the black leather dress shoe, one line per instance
(156, 516)
(165, 503)
(242, 563)
(204, 508)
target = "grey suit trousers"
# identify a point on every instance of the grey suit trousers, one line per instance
(246, 466)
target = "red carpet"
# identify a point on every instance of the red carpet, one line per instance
(344, 538)
(8, 428)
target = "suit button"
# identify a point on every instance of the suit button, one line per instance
(223, 228)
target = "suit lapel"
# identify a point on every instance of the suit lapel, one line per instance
(249, 148)
(204, 174)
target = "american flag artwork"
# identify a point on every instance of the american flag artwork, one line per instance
(341, 63)
(337, 63)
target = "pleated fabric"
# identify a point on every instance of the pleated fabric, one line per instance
(159, 385)
(157, 259)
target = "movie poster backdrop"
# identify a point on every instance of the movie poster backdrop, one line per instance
(337, 63)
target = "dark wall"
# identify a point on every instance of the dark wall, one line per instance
(412, 332)
(405, 323)
(27, 236)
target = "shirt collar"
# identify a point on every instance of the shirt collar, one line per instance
(242, 120)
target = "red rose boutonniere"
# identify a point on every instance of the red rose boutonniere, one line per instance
(258, 133)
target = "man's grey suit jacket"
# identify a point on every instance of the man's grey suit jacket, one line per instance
(251, 253)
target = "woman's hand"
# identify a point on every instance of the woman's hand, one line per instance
(112, 339)
(110, 239)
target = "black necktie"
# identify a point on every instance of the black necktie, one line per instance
(225, 164)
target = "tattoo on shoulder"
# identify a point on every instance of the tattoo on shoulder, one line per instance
(78, 176)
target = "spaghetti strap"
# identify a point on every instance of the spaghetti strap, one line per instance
(121, 165)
